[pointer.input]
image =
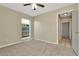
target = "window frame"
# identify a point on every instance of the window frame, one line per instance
(29, 29)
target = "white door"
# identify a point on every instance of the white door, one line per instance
(78, 35)
(65, 30)
(75, 31)
(78, 32)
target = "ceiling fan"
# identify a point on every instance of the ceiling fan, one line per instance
(34, 5)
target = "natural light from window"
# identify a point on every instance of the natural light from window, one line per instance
(25, 27)
(25, 21)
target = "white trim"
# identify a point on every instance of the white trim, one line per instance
(15, 43)
(74, 52)
(10, 44)
(78, 52)
(46, 41)
(58, 22)
(26, 39)
(61, 12)
(30, 29)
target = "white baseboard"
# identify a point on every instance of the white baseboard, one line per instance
(75, 52)
(46, 41)
(10, 44)
(15, 42)
(78, 52)
(25, 40)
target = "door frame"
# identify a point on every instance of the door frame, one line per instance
(58, 22)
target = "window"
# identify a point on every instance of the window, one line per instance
(25, 28)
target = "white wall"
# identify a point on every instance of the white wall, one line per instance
(46, 25)
(10, 26)
(45, 28)
(75, 31)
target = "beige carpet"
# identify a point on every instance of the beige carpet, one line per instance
(36, 48)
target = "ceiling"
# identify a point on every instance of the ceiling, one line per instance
(28, 9)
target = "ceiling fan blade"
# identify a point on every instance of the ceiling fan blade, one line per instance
(40, 5)
(27, 4)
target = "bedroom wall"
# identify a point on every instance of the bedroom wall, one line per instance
(10, 26)
(46, 25)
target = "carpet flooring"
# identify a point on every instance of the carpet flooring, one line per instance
(36, 48)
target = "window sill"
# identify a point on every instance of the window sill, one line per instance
(26, 38)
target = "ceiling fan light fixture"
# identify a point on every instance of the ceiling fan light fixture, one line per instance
(34, 6)
(65, 14)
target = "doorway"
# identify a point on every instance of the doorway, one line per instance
(65, 29)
